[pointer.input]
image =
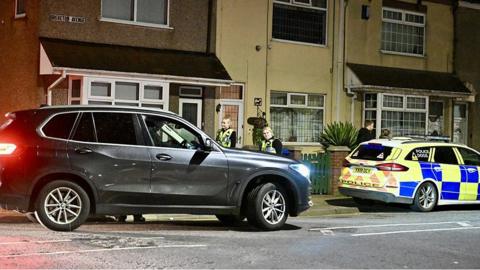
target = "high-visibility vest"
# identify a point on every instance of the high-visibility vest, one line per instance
(223, 137)
(267, 146)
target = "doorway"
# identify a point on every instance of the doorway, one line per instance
(191, 110)
(460, 122)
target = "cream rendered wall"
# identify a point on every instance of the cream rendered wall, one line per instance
(245, 47)
(363, 44)
(364, 38)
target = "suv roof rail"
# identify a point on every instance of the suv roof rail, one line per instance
(106, 107)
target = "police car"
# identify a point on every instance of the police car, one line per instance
(420, 173)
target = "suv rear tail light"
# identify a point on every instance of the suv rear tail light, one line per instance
(392, 167)
(346, 163)
(7, 149)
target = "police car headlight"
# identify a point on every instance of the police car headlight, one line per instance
(301, 169)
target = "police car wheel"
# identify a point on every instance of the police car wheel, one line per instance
(425, 198)
(267, 207)
(62, 206)
(230, 220)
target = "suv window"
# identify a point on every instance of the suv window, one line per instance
(372, 151)
(166, 132)
(445, 155)
(469, 157)
(116, 128)
(85, 131)
(419, 154)
(60, 125)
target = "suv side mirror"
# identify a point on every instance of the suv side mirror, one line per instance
(208, 144)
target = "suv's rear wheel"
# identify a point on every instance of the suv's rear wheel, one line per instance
(267, 207)
(425, 198)
(62, 206)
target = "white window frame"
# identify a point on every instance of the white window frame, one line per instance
(309, 4)
(289, 100)
(20, 15)
(380, 108)
(182, 101)
(190, 87)
(303, 5)
(70, 98)
(141, 100)
(404, 22)
(134, 22)
(289, 105)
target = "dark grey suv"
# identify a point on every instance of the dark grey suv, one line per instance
(66, 163)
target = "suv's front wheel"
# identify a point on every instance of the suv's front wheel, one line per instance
(62, 206)
(267, 207)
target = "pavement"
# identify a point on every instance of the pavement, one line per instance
(323, 205)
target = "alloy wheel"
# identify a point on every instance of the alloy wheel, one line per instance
(427, 196)
(273, 207)
(63, 205)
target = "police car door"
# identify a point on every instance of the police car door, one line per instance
(450, 176)
(470, 173)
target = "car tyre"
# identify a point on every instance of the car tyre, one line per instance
(426, 198)
(267, 207)
(62, 206)
(230, 220)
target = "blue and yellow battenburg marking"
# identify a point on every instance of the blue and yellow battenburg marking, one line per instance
(454, 182)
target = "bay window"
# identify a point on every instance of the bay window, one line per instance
(296, 117)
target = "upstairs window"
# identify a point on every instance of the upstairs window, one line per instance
(20, 8)
(303, 21)
(153, 12)
(403, 32)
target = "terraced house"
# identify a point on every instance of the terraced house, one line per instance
(129, 52)
(299, 63)
(318, 61)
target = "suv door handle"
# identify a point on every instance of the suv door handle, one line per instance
(83, 150)
(437, 169)
(163, 157)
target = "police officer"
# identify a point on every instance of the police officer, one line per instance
(226, 136)
(270, 144)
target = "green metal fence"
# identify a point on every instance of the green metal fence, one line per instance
(320, 171)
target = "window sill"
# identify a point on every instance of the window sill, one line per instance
(20, 16)
(299, 43)
(403, 54)
(302, 144)
(151, 25)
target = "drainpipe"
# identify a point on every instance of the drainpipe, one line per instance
(51, 86)
(267, 48)
(455, 22)
(339, 60)
(209, 25)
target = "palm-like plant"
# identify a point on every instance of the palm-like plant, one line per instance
(340, 134)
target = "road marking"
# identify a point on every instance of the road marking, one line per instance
(415, 231)
(464, 224)
(36, 242)
(98, 250)
(388, 225)
(327, 232)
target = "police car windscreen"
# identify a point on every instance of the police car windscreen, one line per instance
(372, 151)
